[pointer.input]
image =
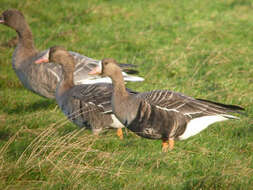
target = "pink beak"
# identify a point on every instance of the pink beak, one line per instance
(42, 60)
(95, 71)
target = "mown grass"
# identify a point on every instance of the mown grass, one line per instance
(200, 48)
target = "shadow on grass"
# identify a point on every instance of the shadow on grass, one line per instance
(5, 134)
(28, 108)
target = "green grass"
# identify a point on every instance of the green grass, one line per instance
(200, 48)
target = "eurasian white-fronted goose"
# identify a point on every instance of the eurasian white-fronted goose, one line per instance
(43, 78)
(86, 104)
(162, 114)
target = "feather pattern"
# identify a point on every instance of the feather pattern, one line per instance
(90, 106)
(167, 114)
(188, 106)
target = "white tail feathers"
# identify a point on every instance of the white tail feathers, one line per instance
(96, 79)
(132, 78)
(198, 124)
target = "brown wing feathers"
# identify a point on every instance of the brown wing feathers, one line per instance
(186, 105)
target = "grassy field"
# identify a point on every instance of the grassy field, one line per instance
(200, 48)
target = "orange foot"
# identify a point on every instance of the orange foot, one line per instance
(167, 144)
(120, 133)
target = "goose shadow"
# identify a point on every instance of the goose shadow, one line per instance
(28, 108)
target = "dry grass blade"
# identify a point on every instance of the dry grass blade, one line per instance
(7, 144)
(70, 156)
(53, 128)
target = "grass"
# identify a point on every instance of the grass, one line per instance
(200, 48)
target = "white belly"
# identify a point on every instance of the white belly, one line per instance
(116, 123)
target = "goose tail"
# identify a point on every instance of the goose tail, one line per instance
(128, 68)
(228, 108)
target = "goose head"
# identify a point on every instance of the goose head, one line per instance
(14, 19)
(61, 56)
(108, 67)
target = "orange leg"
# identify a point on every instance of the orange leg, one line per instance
(167, 144)
(120, 133)
(171, 144)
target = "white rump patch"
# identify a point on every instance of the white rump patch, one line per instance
(198, 124)
(116, 123)
(131, 78)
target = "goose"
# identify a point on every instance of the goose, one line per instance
(43, 78)
(84, 104)
(161, 114)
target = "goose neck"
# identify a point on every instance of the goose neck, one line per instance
(119, 88)
(26, 38)
(25, 49)
(66, 82)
